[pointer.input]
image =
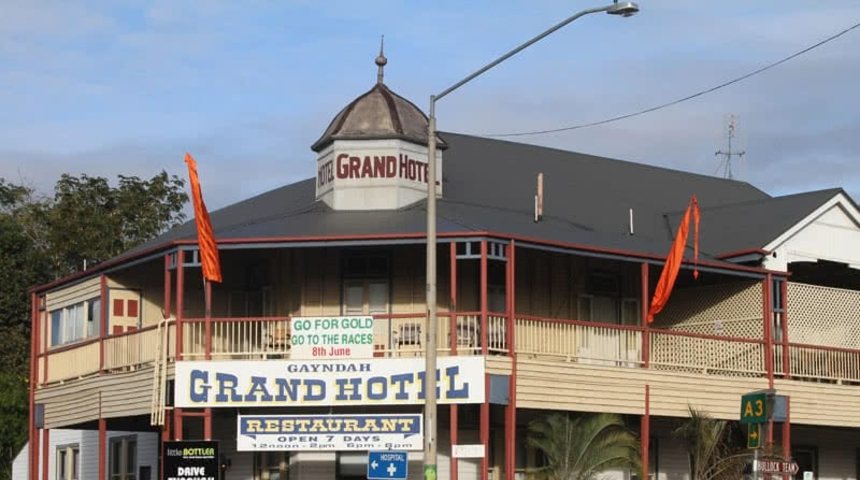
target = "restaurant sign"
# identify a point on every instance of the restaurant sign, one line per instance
(330, 432)
(377, 381)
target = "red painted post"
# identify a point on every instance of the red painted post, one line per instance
(511, 407)
(485, 407)
(645, 433)
(646, 328)
(454, 469)
(102, 446)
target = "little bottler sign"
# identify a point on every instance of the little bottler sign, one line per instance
(331, 337)
(191, 460)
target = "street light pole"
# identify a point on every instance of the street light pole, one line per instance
(624, 9)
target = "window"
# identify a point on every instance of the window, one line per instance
(68, 460)
(123, 458)
(75, 322)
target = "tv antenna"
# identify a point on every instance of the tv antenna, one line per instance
(726, 161)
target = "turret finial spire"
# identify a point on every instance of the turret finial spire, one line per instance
(381, 60)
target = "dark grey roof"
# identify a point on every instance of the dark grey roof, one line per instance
(753, 225)
(489, 185)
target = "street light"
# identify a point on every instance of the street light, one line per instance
(624, 9)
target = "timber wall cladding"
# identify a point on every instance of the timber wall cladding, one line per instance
(120, 395)
(577, 387)
(732, 310)
(72, 294)
(823, 316)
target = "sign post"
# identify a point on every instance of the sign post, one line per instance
(387, 465)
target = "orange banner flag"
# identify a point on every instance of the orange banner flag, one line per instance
(205, 236)
(676, 256)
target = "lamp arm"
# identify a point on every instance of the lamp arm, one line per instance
(517, 50)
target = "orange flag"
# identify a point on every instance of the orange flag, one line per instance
(676, 256)
(205, 237)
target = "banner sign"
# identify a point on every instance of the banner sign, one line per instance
(191, 460)
(330, 432)
(274, 383)
(331, 337)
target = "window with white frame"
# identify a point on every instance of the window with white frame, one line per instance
(68, 462)
(75, 322)
(123, 458)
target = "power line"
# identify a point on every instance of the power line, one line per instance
(683, 99)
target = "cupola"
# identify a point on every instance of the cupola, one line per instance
(373, 155)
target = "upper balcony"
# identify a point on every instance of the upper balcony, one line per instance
(559, 307)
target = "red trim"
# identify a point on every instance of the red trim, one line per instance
(738, 253)
(69, 346)
(511, 408)
(644, 307)
(167, 286)
(452, 307)
(828, 349)
(645, 433)
(46, 447)
(786, 361)
(660, 331)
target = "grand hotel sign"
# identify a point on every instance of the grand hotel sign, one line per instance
(373, 175)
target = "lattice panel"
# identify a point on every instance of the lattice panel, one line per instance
(823, 316)
(733, 310)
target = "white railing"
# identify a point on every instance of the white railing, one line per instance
(237, 338)
(72, 362)
(579, 341)
(811, 362)
(131, 349)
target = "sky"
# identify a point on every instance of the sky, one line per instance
(106, 88)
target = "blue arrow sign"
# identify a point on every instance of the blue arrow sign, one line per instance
(387, 465)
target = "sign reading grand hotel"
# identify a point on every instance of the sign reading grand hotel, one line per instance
(381, 174)
(330, 432)
(379, 381)
(331, 337)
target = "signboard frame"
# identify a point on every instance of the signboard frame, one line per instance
(320, 383)
(333, 432)
(383, 473)
(197, 454)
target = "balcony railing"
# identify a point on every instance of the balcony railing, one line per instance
(473, 334)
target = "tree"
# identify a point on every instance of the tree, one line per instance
(45, 238)
(712, 447)
(579, 447)
(90, 221)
